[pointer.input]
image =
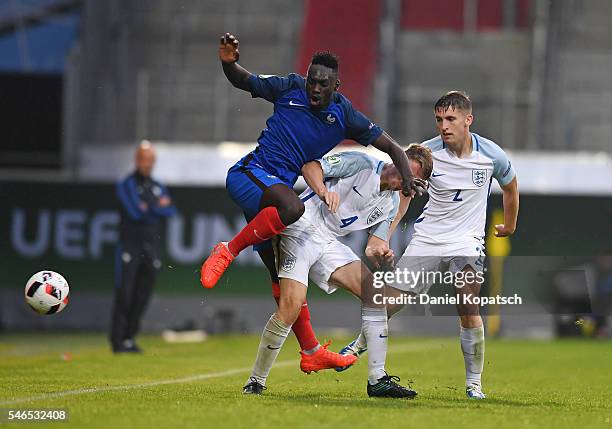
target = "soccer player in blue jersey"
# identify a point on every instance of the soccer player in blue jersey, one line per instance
(310, 118)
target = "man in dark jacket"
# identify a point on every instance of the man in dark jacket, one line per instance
(144, 202)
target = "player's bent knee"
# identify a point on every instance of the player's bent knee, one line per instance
(288, 311)
(293, 295)
(471, 321)
(291, 212)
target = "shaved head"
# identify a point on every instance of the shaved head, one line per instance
(145, 158)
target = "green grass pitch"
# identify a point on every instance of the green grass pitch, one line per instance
(536, 384)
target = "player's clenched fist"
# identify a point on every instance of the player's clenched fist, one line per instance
(228, 48)
(503, 231)
(414, 186)
(380, 256)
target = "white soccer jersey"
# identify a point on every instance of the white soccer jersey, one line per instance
(458, 191)
(355, 176)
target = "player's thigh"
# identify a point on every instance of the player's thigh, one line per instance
(348, 277)
(395, 299)
(466, 262)
(295, 255)
(417, 270)
(467, 287)
(247, 186)
(336, 266)
(290, 207)
(470, 253)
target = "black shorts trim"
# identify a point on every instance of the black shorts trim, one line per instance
(250, 175)
(254, 179)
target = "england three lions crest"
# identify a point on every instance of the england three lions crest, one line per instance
(479, 177)
(374, 216)
(288, 263)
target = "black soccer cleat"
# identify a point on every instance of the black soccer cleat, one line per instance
(127, 346)
(387, 387)
(254, 387)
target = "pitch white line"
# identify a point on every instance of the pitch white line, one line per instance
(61, 394)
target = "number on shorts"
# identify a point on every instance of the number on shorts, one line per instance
(348, 220)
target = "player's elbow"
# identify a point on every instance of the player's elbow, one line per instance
(312, 170)
(241, 84)
(511, 188)
(239, 80)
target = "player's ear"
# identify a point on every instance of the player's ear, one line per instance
(337, 85)
(469, 118)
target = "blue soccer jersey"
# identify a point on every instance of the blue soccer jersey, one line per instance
(295, 134)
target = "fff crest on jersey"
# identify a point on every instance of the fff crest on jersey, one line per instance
(288, 263)
(479, 177)
(374, 216)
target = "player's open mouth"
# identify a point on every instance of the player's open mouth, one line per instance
(315, 101)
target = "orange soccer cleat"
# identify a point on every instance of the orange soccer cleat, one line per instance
(325, 359)
(216, 264)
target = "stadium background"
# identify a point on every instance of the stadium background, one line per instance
(84, 81)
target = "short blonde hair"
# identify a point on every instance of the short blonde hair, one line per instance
(422, 155)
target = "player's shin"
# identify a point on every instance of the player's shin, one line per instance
(272, 339)
(374, 328)
(359, 344)
(473, 348)
(302, 328)
(304, 332)
(265, 225)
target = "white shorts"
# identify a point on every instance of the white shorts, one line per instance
(305, 254)
(424, 264)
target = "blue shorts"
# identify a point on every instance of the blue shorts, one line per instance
(246, 185)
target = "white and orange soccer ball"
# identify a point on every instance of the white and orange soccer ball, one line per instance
(47, 292)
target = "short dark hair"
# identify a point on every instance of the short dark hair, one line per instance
(325, 58)
(458, 100)
(422, 155)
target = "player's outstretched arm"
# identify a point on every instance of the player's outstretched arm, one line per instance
(511, 208)
(401, 211)
(411, 185)
(229, 53)
(313, 175)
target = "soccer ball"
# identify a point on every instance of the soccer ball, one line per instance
(47, 292)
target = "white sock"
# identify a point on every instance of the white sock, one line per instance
(473, 348)
(312, 350)
(272, 339)
(374, 329)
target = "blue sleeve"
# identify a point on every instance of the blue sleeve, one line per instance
(381, 230)
(359, 127)
(434, 144)
(270, 87)
(503, 171)
(164, 211)
(346, 164)
(128, 197)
